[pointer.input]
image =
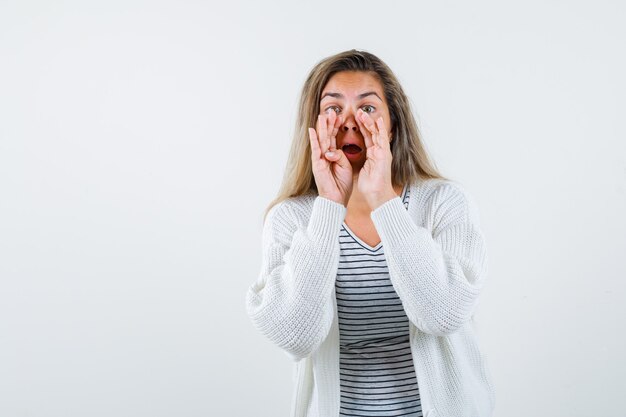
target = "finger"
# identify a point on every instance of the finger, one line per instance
(322, 133)
(316, 153)
(341, 159)
(366, 134)
(383, 135)
(369, 142)
(370, 125)
(333, 136)
(331, 118)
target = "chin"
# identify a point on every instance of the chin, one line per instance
(356, 166)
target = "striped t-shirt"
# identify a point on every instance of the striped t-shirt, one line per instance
(377, 377)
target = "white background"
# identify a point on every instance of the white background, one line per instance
(141, 141)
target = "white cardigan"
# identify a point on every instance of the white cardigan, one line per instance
(437, 261)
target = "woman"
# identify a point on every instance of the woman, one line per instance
(372, 261)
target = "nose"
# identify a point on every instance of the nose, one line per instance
(349, 122)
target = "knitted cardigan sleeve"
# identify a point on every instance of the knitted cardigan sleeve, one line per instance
(290, 303)
(437, 274)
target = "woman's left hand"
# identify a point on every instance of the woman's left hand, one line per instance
(374, 180)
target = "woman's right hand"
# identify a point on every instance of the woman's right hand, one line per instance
(332, 172)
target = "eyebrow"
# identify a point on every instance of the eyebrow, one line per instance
(361, 96)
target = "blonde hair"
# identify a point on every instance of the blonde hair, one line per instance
(410, 160)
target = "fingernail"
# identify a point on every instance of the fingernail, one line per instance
(330, 153)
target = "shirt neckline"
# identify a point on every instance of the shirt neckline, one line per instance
(379, 244)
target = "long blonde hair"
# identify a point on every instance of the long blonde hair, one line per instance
(410, 161)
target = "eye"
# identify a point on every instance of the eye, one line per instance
(333, 108)
(368, 109)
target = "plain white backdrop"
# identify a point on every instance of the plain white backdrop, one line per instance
(140, 142)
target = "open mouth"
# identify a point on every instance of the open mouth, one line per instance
(351, 149)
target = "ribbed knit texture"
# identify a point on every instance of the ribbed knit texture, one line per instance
(437, 262)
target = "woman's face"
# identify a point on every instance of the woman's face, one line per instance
(345, 93)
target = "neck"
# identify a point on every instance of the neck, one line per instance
(357, 202)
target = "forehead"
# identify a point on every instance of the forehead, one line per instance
(353, 83)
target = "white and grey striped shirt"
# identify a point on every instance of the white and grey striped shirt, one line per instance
(377, 376)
